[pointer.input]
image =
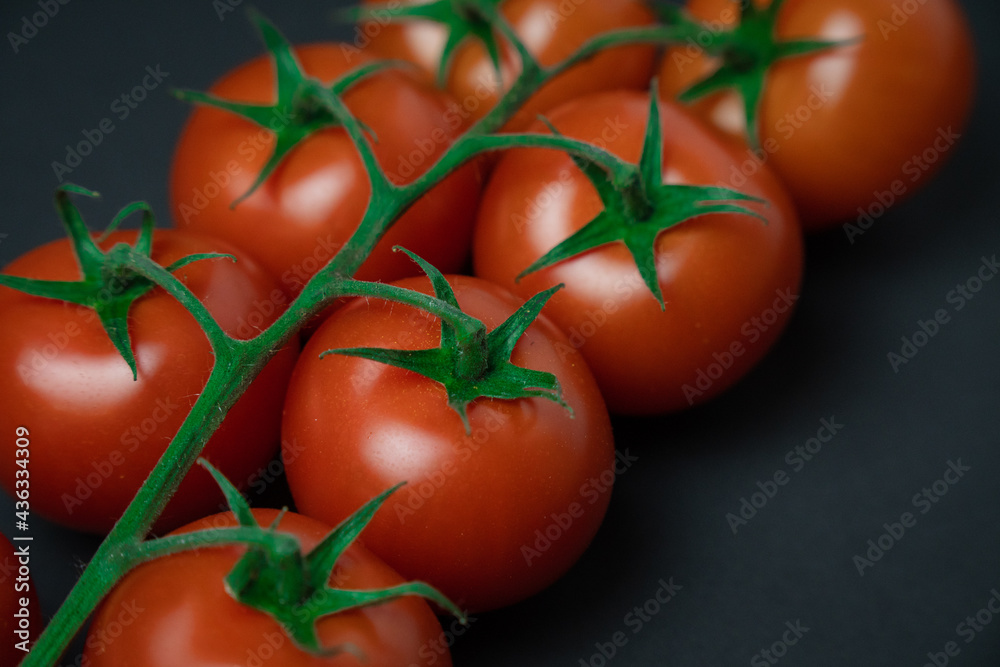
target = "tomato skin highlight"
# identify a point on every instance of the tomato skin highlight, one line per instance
(552, 31)
(844, 126)
(96, 433)
(175, 611)
(717, 272)
(474, 505)
(297, 220)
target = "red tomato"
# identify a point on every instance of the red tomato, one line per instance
(728, 280)
(96, 433)
(307, 209)
(176, 611)
(847, 126)
(474, 518)
(552, 30)
(20, 616)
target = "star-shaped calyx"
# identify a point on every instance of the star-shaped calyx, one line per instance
(276, 577)
(746, 54)
(638, 207)
(470, 362)
(462, 19)
(304, 104)
(109, 286)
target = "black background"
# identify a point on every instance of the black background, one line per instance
(793, 561)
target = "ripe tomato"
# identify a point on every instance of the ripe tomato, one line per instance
(551, 30)
(20, 616)
(312, 203)
(176, 611)
(728, 280)
(844, 126)
(488, 518)
(96, 433)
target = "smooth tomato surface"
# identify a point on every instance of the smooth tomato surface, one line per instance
(95, 432)
(176, 611)
(551, 30)
(727, 279)
(311, 204)
(475, 505)
(844, 126)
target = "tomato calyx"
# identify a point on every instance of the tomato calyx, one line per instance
(110, 283)
(277, 578)
(463, 20)
(640, 207)
(470, 363)
(303, 107)
(746, 54)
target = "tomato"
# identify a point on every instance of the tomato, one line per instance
(20, 616)
(310, 205)
(728, 280)
(851, 128)
(552, 30)
(488, 517)
(176, 611)
(96, 433)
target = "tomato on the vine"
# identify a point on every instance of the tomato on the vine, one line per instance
(176, 610)
(97, 432)
(728, 280)
(551, 31)
(848, 127)
(489, 515)
(308, 207)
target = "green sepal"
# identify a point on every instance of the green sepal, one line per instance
(107, 287)
(462, 19)
(640, 207)
(470, 362)
(303, 105)
(276, 577)
(747, 52)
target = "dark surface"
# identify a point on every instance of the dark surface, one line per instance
(793, 561)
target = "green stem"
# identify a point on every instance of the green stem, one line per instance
(238, 362)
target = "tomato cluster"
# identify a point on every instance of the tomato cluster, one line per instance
(662, 245)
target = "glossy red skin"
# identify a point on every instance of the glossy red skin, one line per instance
(889, 98)
(17, 592)
(176, 611)
(354, 427)
(716, 272)
(71, 388)
(312, 203)
(551, 33)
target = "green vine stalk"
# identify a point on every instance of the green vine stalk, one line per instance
(237, 362)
